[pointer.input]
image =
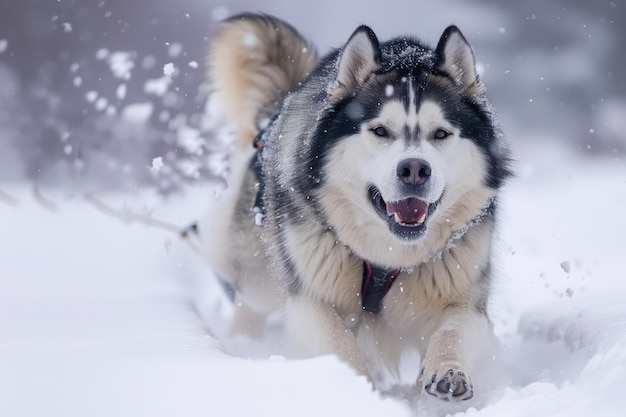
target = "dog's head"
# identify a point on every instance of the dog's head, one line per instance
(409, 140)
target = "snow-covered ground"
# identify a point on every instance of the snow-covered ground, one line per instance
(103, 317)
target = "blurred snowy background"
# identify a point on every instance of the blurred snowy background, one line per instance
(92, 91)
(107, 318)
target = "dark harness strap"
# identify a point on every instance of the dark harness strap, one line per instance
(376, 283)
(257, 167)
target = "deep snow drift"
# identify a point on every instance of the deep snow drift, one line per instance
(103, 317)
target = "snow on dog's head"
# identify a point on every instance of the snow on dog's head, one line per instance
(411, 149)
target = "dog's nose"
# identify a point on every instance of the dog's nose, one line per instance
(413, 171)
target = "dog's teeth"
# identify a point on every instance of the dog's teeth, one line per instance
(419, 222)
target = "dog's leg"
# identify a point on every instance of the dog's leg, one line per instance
(247, 321)
(315, 328)
(453, 346)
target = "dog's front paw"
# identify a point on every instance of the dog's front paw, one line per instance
(448, 384)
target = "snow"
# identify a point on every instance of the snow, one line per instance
(190, 139)
(190, 168)
(106, 317)
(101, 103)
(102, 53)
(169, 70)
(174, 49)
(120, 91)
(84, 333)
(111, 313)
(250, 40)
(157, 86)
(91, 96)
(157, 164)
(220, 13)
(138, 113)
(121, 64)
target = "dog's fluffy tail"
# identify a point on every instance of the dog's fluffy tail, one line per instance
(255, 60)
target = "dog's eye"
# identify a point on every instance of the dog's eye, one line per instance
(381, 132)
(441, 134)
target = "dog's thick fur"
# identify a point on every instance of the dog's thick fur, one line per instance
(380, 153)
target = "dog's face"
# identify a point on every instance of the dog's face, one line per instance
(413, 146)
(413, 156)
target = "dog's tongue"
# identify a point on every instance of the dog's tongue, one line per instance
(409, 211)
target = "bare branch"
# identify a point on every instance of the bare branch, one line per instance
(44, 201)
(186, 233)
(8, 199)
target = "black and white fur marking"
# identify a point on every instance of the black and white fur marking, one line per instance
(383, 153)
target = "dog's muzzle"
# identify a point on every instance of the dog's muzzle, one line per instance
(406, 217)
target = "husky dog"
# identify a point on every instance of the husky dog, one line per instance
(368, 210)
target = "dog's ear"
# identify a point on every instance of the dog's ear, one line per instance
(358, 60)
(456, 58)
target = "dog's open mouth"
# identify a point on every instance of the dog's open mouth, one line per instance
(406, 218)
(410, 212)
